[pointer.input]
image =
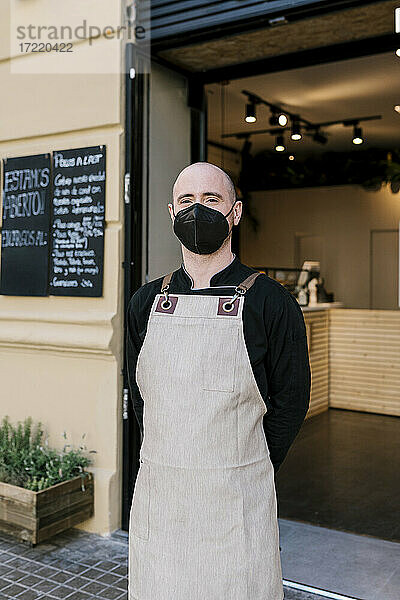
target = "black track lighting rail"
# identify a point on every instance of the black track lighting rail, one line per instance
(313, 126)
(305, 124)
(275, 108)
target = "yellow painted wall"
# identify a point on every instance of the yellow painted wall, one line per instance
(60, 357)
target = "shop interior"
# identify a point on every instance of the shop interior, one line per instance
(315, 156)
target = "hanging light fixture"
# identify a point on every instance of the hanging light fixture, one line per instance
(280, 143)
(296, 133)
(357, 135)
(250, 113)
(282, 119)
(398, 52)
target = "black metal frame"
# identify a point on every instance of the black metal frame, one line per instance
(134, 151)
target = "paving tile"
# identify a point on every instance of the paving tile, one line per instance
(95, 588)
(3, 582)
(111, 594)
(93, 573)
(32, 566)
(120, 570)
(30, 595)
(82, 596)
(122, 583)
(13, 590)
(46, 585)
(107, 565)
(108, 578)
(62, 591)
(90, 561)
(30, 580)
(16, 562)
(46, 571)
(71, 567)
(62, 576)
(14, 574)
(78, 582)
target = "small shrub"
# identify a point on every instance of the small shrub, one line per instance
(27, 461)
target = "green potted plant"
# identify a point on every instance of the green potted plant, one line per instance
(42, 491)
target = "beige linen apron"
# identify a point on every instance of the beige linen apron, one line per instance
(203, 520)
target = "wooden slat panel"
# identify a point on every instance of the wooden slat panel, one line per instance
(317, 328)
(364, 360)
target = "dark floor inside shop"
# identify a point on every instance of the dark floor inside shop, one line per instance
(342, 472)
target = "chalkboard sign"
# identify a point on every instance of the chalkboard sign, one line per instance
(77, 227)
(25, 226)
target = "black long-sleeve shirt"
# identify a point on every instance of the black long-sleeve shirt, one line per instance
(276, 342)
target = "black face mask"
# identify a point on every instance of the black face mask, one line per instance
(201, 229)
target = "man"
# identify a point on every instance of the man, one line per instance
(211, 348)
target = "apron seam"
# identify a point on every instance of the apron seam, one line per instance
(253, 462)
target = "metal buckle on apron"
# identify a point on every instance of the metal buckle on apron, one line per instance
(240, 291)
(166, 303)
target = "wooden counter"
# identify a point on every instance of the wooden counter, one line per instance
(354, 359)
(317, 323)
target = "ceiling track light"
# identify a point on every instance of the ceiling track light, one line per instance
(282, 119)
(296, 132)
(250, 116)
(357, 135)
(280, 143)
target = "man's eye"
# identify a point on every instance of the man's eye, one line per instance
(213, 199)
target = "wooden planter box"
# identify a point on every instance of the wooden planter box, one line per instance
(35, 516)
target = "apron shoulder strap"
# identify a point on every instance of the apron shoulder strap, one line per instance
(166, 280)
(248, 282)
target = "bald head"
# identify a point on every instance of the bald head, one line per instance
(205, 177)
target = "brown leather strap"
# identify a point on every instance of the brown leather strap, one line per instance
(166, 280)
(248, 282)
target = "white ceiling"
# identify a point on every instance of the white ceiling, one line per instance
(341, 90)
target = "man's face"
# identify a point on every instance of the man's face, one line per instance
(206, 185)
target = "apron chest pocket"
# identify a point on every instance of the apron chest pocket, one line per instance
(219, 355)
(139, 515)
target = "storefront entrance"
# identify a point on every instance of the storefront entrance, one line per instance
(340, 472)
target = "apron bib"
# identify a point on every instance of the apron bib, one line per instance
(203, 520)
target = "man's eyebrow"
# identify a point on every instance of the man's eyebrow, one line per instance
(204, 194)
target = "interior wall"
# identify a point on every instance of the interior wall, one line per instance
(341, 219)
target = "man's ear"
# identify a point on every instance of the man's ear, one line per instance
(170, 206)
(240, 204)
